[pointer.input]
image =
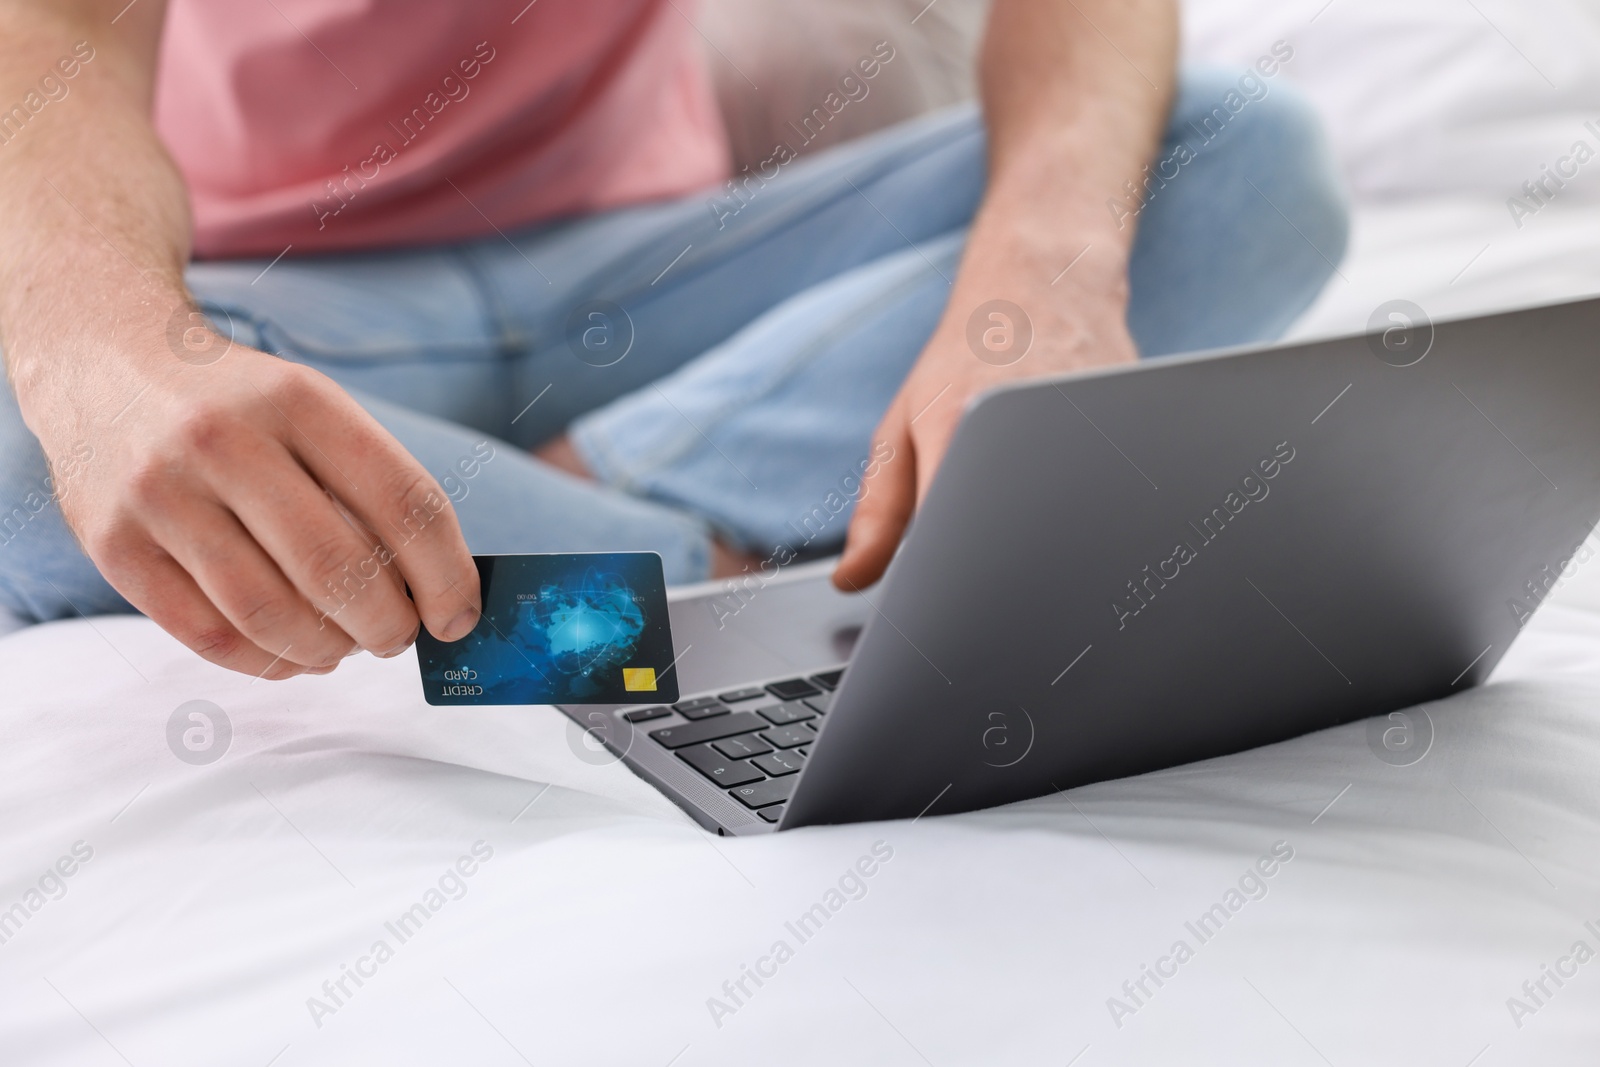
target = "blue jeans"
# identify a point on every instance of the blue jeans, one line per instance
(719, 361)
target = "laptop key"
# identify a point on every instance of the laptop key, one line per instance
(778, 764)
(790, 736)
(740, 722)
(787, 712)
(741, 694)
(717, 767)
(772, 814)
(697, 702)
(743, 747)
(793, 689)
(772, 791)
(828, 679)
(819, 703)
(646, 714)
(705, 711)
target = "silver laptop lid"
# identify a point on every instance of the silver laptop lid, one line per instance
(1126, 570)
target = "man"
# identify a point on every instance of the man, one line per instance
(429, 238)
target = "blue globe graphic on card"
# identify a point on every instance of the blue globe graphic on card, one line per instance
(593, 627)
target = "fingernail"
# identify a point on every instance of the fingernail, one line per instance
(322, 670)
(460, 626)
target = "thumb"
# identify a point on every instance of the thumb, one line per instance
(883, 511)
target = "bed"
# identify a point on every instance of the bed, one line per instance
(356, 877)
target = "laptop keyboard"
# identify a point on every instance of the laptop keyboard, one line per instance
(750, 742)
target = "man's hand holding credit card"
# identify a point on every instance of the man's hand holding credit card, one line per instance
(559, 628)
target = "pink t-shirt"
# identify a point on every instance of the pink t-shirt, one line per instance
(345, 124)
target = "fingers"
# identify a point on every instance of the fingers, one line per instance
(337, 567)
(389, 491)
(884, 509)
(245, 586)
(152, 579)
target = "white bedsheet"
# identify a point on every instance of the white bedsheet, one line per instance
(218, 899)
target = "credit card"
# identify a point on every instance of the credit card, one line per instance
(559, 628)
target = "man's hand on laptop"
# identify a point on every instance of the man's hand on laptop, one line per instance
(235, 503)
(980, 343)
(1074, 98)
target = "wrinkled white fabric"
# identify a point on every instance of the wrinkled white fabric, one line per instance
(220, 898)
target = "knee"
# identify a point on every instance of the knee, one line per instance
(1270, 142)
(44, 575)
(1292, 148)
(27, 508)
(1247, 221)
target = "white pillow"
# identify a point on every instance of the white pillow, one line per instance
(1420, 96)
(1429, 96)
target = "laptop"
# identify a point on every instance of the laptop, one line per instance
(1127, 569)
